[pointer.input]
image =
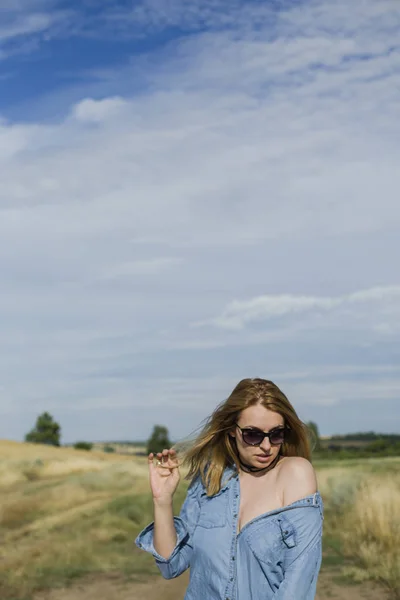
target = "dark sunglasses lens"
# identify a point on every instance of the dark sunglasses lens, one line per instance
(253, 438)
(277, 437)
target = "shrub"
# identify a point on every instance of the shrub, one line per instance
(83, 446)
(108, 449)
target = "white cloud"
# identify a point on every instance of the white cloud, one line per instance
(15, 138)
(96, 111)
(26, 25)
(152, 266)
(332, 392)
(238, 314)
(202, 395)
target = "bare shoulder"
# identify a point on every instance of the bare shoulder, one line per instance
(297, 478)
(296, 465)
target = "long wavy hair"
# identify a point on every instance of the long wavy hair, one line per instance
(212, 451)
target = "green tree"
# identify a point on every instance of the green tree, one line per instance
(158, 440)
(109, 449)
(314, 434)
(83, 446)
(46, 431)
(379, 446)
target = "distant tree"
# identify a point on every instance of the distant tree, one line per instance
(364, 436)
(314, 431)
(46, 431)
(108, 449)
(334, 447)
(158, 440)
(379, 445)
(83, 446)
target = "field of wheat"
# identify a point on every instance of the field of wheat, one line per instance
(66, 513)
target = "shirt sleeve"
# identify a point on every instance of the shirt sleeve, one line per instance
(185, 524)
(303, 557)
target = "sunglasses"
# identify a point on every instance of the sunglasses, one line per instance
(254, 437)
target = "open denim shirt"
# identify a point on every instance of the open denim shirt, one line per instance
(276, 556)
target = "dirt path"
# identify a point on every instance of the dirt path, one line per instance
(115, 588)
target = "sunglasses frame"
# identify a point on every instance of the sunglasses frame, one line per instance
(264, 435)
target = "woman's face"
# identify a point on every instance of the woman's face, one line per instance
(257, 417)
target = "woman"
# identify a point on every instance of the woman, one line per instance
(251, 524)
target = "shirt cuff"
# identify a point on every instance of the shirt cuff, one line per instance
(145, 539)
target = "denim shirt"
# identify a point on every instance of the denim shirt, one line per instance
(275, 556)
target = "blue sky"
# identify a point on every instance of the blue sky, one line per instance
(190, 195)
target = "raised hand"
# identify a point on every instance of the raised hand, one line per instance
(164, 475)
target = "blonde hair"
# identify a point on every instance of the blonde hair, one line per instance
(212, 451)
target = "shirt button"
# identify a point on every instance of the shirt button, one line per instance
(233, 558)
(235, 515)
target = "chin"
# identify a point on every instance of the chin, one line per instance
(263, 460)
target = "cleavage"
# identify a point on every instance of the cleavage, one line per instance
(256, 499)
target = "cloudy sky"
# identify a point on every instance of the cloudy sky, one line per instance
(190, 195)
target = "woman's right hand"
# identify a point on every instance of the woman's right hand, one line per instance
(164, 476)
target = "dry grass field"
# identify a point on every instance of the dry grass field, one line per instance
(119, 447)
(66, 513)
(362, 500)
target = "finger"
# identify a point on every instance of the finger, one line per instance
(165, 456)
(167, 459)
(169, 465)
(150, 461)
(161, 460)
(173, 457)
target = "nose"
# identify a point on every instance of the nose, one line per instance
(265, 445)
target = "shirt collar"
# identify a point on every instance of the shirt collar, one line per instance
(228, 474)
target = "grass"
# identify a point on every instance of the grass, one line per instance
(80, 512)
(362, 523)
